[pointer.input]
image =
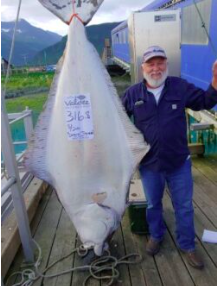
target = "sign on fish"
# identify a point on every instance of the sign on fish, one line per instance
(78, 116)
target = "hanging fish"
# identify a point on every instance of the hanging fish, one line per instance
(84, 144)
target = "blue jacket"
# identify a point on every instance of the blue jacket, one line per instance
(164, 124)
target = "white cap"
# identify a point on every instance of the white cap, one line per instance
(153, 51)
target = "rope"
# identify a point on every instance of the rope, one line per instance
(96, 268)
(73, 6)
(74, 14)
(11, 49)
(206, 31)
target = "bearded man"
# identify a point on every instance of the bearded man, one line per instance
(157, 105)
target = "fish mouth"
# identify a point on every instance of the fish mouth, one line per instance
(110, 229)
(95, 225)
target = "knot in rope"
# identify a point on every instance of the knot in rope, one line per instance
(74, 15)
(109, 265)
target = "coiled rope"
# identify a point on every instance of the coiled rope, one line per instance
(96, 268)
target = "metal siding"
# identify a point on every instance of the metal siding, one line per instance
(146, 30)
(122, 52)
(197, 60)
(193, 32)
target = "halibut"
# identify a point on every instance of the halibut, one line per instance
(84, 144)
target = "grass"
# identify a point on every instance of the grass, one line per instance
(34, 102)
(121, 83)
(25, 82)
(22, 81)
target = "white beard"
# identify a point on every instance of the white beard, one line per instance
(155, 82)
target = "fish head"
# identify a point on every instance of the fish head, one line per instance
(95, 224)
(64, 9)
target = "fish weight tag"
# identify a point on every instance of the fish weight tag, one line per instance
(78, 117)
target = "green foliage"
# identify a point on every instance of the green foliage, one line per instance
(34, 102)
(18, 82)
(121, 83)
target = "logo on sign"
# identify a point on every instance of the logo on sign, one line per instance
(164, 18)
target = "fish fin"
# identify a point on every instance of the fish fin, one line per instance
(35, 155)
(64, 10)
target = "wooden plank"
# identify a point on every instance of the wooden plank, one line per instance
(205, 277)
(10, 238)
(205, 184)
(148, 264)
(130, 241)
(46, 231)
(206, 204)
(208, 188)
(148, 268)
(79, 277)
(19, 259)
(201, 223)
(64, 243)
(117, 249)
(209, 160)
(169, 263)
(206, 170)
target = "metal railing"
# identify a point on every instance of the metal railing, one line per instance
(7, 204)
(14, 183)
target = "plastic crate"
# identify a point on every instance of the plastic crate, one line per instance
(137, 216)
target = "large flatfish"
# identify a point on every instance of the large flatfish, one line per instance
(84, 144)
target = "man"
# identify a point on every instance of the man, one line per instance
(158, 106)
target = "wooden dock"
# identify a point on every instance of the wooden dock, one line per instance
(55, 234)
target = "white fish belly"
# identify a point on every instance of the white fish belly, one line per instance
(104, 164)
(91, 174)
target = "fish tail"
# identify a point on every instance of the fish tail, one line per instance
(66, 9)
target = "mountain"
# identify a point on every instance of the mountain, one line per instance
(95, 33)
(28, 42)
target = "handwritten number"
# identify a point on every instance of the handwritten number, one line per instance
(80, 116)
(87, 114)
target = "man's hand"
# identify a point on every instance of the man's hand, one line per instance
(214, 72)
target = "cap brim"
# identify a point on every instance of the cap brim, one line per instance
(155, 56)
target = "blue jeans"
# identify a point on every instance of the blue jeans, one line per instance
(180, 185)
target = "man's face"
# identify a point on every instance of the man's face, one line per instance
(155, 71)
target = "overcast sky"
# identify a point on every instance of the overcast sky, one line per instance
(33, 12)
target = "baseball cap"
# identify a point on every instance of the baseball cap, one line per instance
(153, 51)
